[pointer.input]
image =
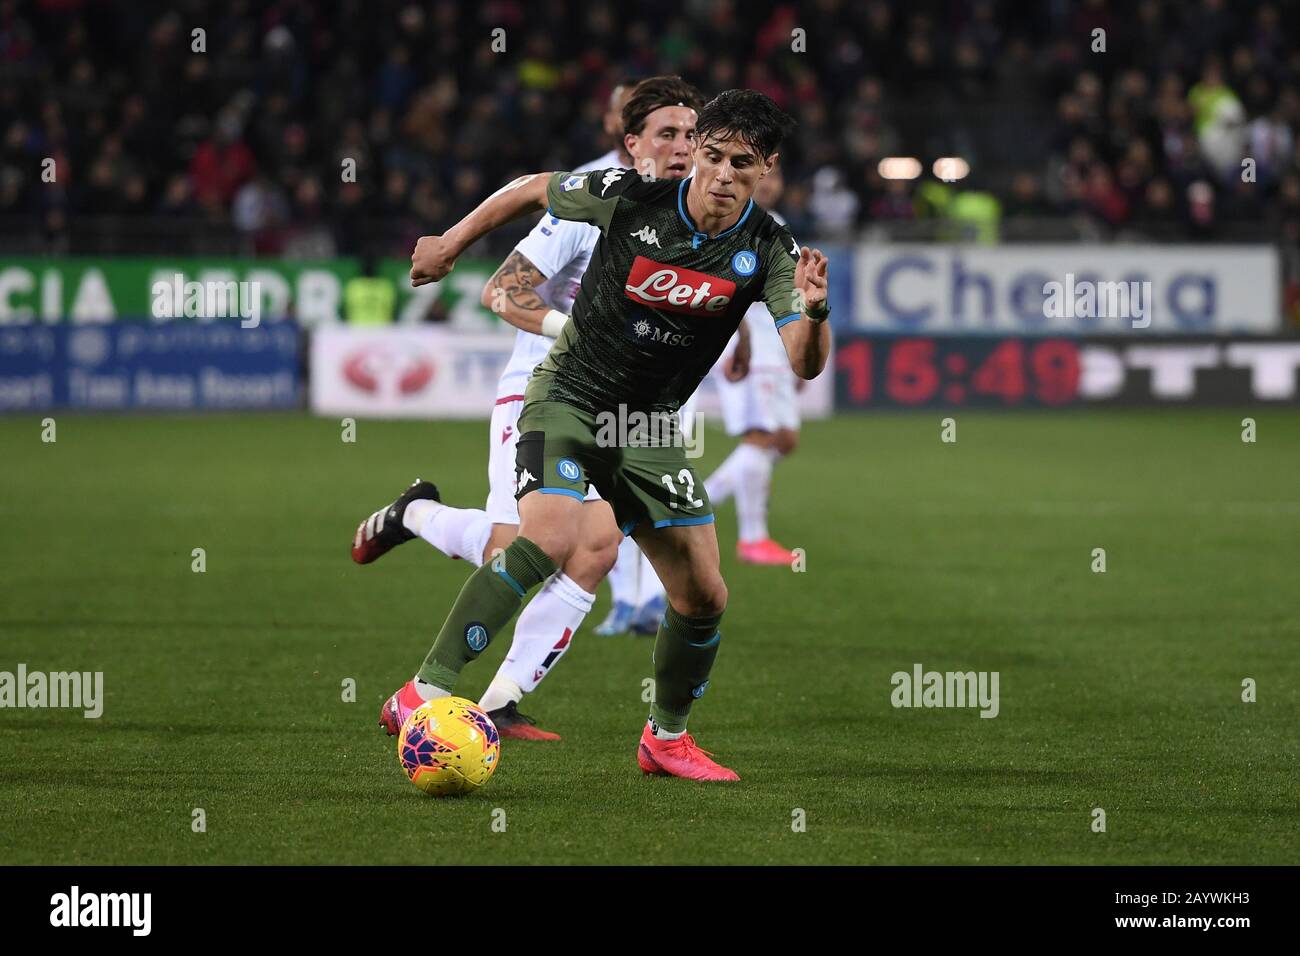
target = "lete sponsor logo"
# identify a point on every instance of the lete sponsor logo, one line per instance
(371, 367)
(675, 289)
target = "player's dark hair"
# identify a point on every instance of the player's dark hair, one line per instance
(746, 115)
(655, 93)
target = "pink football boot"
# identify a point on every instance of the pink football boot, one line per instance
(679, 758)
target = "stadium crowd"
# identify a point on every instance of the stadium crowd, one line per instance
(246, 126)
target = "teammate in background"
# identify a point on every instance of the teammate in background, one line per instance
(763, 408)
(534, 290)
(676, 267)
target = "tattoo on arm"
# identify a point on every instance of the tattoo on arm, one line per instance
(518, 278)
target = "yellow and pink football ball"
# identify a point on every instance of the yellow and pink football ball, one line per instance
(448, 746)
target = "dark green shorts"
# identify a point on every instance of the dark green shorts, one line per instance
(643, 472)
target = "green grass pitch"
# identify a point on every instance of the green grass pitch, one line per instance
(223, 690)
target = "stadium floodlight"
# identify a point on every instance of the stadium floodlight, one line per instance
(899, 167)
(950, 168)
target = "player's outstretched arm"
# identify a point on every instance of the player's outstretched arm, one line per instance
(434, 256)
(808, 342)
(512, 294)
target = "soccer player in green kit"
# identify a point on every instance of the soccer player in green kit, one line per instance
(677, 265)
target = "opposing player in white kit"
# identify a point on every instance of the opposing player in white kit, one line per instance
(762, 408)
(533, 290)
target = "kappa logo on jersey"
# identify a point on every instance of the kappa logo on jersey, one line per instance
(646, 235)
(675, 289)
(526, 478)
(610, 178)
(794, 248)
(572, 183)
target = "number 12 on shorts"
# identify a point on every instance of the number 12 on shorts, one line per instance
(687, 479)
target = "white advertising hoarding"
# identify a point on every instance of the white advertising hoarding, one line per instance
(432, 372)
(405, 372)
(1067, 289)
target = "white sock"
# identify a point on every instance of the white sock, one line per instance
(429, 691)
(660, 734)
(721, 485)
(544, 631)
(500, 692)
(623, 578)
(752, 487)
(651, 586)
(418, 512)
(456, 532)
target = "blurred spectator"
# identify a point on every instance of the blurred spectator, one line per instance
(1158, 211)
(260, 211)
(177, 197)
(976, 214)
(220, 166)
(1201, 210)
(253, 133)
(1026, 199)
(895, 203)
(834, 207)
(368, 298)
(1271, 141)
(1103, 197)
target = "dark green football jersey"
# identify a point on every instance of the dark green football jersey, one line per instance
(660, 299)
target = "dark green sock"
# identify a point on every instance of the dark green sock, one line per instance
(684, 651)
(486, 604)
